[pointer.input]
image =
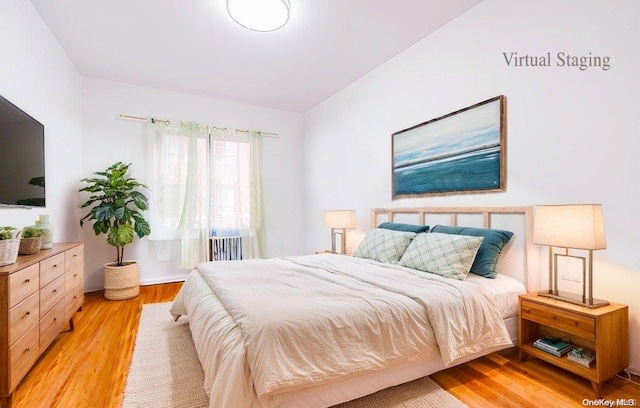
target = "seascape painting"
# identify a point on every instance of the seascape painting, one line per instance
(460, 152)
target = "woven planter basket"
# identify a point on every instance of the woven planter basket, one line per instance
(121, 282)
(29, 246)
(9, 251)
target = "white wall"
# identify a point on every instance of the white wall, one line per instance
(572, 135)
(38, 77)
(107, 140)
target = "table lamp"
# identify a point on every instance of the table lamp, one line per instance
(571, 226)
(339, 220)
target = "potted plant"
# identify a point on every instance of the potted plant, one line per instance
(30, 241)
(116, 203)
(9, 245)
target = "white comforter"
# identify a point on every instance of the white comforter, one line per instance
(263, 328)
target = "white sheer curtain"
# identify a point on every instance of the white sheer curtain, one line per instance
(177, 168)
(203, 183)
(258, 236)
(236, 188)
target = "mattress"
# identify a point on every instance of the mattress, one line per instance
(505, 291)
(229, 320)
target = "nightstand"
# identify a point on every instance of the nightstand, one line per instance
(604, 330)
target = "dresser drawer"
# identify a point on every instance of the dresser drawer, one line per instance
(51, 268)
(73, 278)
(73, 301)
(74, 257)
(23, 316)
(23, 283)
(51, 325)
(23, 354)
(51, 294)
(573, 323)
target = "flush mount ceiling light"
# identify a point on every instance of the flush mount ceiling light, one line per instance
(259, 15)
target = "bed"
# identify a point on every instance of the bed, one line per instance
(318, 330)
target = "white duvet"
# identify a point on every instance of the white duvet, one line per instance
(266, 328)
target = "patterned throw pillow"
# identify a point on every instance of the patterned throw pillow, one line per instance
(446, 255)
(486, 263)
(384, 245)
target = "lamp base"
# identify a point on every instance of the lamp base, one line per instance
(574, 299)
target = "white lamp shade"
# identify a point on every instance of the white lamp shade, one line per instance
(259, 15)
(340, 218)
(578, 226)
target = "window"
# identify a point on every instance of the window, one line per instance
(230, 184)
(203, 181)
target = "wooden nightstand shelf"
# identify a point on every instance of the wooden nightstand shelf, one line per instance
(604, 331)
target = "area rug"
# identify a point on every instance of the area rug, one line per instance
(165, 372)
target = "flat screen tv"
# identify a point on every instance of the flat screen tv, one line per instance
(21, 158)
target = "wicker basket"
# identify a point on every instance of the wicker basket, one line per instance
(121, 282)
(29, 246)
(9, 249)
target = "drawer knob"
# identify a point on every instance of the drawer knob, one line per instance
(27, 314)
(55, 290)
(27, 350)
(55, 265)
(55, 319)
(27, 280)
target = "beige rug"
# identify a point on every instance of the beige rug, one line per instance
(165, 372)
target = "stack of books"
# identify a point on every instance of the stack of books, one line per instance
(584, 358)
(553, 346)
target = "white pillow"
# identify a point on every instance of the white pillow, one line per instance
(446, 255)
(384, 245)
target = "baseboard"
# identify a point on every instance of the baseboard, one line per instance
(161, 280)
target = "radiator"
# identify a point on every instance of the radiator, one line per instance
(225, 248)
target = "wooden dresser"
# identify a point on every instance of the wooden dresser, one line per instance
(39, 294)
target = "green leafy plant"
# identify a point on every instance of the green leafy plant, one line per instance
(6, 232)
(116, 207)
(32, 232)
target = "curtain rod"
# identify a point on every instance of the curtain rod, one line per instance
(224, 129)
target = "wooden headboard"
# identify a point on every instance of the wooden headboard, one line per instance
(519, 258)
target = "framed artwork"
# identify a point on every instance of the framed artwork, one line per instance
(461, 152)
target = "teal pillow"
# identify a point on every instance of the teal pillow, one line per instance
(486, 262)
(397, 226)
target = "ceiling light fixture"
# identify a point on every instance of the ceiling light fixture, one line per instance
(259, 15)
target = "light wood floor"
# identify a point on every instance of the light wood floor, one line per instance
(88, 367)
